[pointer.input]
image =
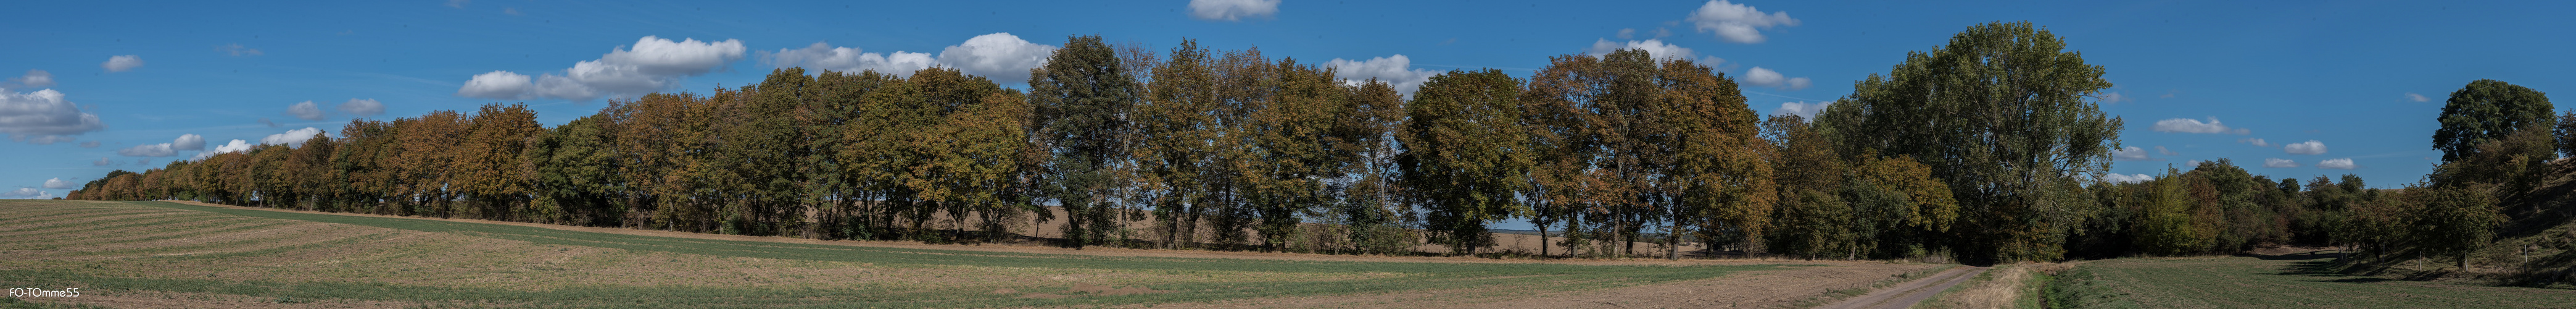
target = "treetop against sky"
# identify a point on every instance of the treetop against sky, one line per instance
(2304, 88)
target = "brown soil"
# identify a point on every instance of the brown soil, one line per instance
(1906, 295)
(476, 265)
(1757, 289)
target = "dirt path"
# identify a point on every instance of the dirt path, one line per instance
(1905, 295)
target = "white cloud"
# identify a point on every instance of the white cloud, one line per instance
(1736, 22)
(503, 85)
(237, 50)
(652, 64)
(2310, 147)
(34, 78)
(363, 107)
(122, 63)
(822, 56)
(2191, 164)
(1233, 10)
(2280, 163)
(148, 150)
(43, 116)
(1768, 78)
(89, 144)
(2341, 164)
(1654, 48)
(2131, 153)
(1395, 70)
(1805, 111)
(999, 56)
(189, 142)
(305, 110)
(1627, 33)
(2185, 125)
(59, 183)
(235, 146)
(295, 138)
(28, 192)
(2132, 178)
(2256, 141)
(2162, 151)
(172, 148)
(2410, 96)
(102, 161)
(658, 56)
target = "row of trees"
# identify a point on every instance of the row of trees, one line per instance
(1988, 149)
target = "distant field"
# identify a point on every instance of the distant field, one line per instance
(2275, 282)
(159, 254)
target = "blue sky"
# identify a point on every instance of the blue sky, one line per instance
(2338, 73)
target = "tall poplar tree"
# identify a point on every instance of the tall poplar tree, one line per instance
(2002, 114)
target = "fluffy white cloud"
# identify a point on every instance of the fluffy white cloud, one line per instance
(149, 150)
(295, 138)
(2130, 153)
(305, 110)
(172, 148)
(652, 64)
(2256, 141)
(238, 50)
(2341, 164)
(2309, 147)
(658, 56)
(235, 146)
(28, 192)
(2280, 163)
(1736, 22)
(1653, 47)
(2162, 151)
(503, 85)
(2410, 96)
(189, 142)
(1395, 70)
(34, 78)
(822, 56)
(1233, 10)
(1000, 56)
(1805, 111)
(1768, 78)
(44, 117)
(2132, 178)
(2186, 125)
(363, 107)
(122, 63)
(59, 183)
(2193, 164)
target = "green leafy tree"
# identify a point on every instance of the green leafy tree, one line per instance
(1463, 151)
(2486, 110)
(2002, 115)
(1084, 96)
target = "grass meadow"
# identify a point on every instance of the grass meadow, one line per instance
(159, 253)
(2287, 281)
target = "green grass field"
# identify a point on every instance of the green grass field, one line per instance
(188, 254)
(2293, 281)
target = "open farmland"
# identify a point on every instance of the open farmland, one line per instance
(2282, 281)
(160, 254)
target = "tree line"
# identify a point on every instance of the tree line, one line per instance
(1987, 149)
